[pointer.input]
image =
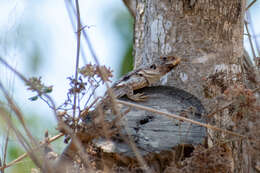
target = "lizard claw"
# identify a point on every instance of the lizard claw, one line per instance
(139, 97)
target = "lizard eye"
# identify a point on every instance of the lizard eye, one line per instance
(153, 66)
(164, 58)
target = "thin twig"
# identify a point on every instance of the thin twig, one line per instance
(91, 49)
(91, 95)
(252, 3)
(253, 34)
(138, 155)
(27, 146)
(5, 149)
(82, 51)
(220, 109)
(178, 117)
(250, 40)
(47, 102)
(83, 27)
(21, 157)
(1, 166)
(30, 84)
(86, 38)
(77, 56)
(75, 142)
(17, 113)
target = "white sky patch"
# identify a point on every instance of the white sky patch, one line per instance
(60, 59)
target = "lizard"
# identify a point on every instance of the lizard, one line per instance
(141, 77)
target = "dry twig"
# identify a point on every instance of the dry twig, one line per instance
(21, 157)
(53, 106)
(77, 56)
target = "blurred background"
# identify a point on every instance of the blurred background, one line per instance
(37, 38)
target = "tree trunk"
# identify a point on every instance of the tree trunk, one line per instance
(208, 36)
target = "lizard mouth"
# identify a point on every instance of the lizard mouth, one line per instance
(171, 64)
(174, 62)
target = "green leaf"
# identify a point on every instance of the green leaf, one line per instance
(33, 98)
(47, 89)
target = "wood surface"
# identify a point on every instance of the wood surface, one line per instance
(153, 133)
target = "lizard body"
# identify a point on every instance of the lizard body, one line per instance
(143, 77)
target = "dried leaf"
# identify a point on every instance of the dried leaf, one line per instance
(104, 73)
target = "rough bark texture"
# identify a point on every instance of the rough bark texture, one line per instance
(208, 35)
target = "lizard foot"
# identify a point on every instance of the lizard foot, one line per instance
(139, 97)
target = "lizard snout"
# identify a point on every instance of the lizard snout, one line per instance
(175, 61)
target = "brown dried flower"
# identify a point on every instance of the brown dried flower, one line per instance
(88, 70)
(104, 73)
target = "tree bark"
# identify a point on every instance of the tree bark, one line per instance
(208, 36)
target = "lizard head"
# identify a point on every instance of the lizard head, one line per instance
(160, 67)
(165, 64)
(169, 61)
